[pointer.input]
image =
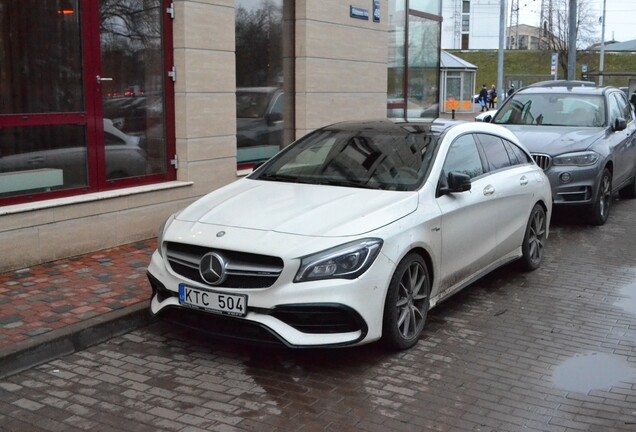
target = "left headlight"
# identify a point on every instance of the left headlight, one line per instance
(162, 230)
(347, 261)
(578, 158)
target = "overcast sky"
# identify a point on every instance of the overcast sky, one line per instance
(620, 17)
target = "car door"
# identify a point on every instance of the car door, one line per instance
(468, 218)
(513, 177)
(620, 142)
(627, 149)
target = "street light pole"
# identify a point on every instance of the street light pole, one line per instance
(601, 63)
(500, 55)
(572, 40)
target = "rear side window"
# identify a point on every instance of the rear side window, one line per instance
(495, 152)
(516, 155)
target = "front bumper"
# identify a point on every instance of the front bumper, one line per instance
(581, 187)
(309, 314)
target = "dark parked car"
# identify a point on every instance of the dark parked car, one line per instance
(582, 136)
(259, 123)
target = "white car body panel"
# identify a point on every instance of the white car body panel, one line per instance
(291, 220)
(301, 208)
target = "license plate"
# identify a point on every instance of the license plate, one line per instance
(228, 304)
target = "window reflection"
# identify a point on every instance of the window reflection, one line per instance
(133, 104)
(260, 84)
(41, 159)
(423, 73)
(396, 101)
(412, 89)
(40, 57)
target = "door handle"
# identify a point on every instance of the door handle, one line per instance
(489, 190)
(100, 79)
(523, 181)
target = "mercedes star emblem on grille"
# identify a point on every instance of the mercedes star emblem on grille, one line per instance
(212, 268)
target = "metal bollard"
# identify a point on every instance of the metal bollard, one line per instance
(453, 114)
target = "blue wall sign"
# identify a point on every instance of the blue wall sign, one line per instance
(359, 13)
(376, 10)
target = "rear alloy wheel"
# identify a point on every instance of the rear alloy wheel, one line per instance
(534, 240)
(601, 207)
(407, 303)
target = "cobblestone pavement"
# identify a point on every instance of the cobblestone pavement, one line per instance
(48, 297)
(551, 350)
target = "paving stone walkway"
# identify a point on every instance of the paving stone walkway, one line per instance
(49, 297)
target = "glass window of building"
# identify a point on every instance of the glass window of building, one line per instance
(413, 59)
(433, 7)
(264, 53)
(82, 105)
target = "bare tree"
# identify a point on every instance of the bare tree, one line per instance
(558, 29)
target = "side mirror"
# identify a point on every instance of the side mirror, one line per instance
(487, 119)
(456, 182)
(620, 124)
(274, 117)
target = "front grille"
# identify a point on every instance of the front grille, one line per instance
(159, 289)
(544, 161)
(320, 318)
(220, 326)
(575, 194)
(244, 270)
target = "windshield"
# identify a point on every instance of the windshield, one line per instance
(552, 109)
(251, 104)
(393, 158)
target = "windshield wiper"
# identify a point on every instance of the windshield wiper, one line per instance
(347, 183)
(287, 178)
(315, 180)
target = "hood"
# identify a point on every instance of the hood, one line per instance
(555, 140)
(308, 210)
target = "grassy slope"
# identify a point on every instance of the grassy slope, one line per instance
(538, 63)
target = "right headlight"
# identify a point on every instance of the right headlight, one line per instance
(347, 261)
(577, 159)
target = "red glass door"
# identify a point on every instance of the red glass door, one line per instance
(132, 80)
(85, 98)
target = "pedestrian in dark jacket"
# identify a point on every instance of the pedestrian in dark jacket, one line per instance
(492, 95)
(483, 95)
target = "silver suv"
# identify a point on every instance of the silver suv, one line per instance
(583, 137)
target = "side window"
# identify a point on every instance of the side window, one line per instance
(277, 108)
(625, 107)
(495, 151)
(463, 157)
(615, 110)
(517, 156)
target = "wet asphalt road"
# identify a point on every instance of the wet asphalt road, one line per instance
(551, 350)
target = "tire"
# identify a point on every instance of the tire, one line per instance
(407, 303)
(629, 191)
(534, 240)
(601, 207)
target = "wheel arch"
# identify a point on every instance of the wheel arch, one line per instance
(426, 256)
(543, 205)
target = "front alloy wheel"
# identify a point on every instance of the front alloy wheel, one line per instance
(407, 303)
(601, 208)
(534, 239)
